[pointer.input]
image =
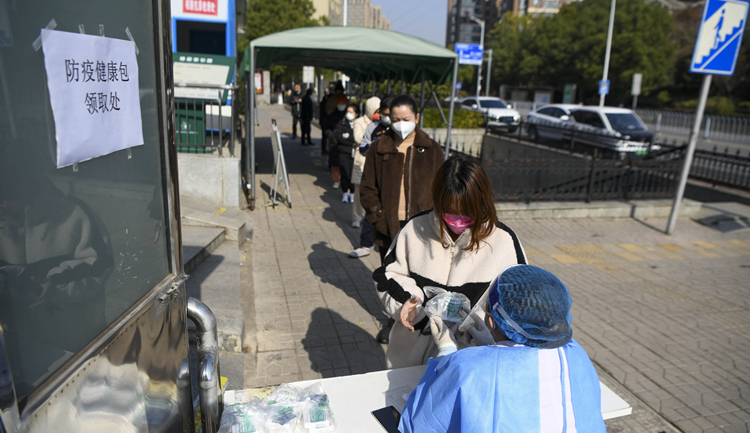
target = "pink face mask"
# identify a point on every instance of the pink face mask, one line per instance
(458, 223)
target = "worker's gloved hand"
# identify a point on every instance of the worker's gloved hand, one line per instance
(480, 334)
(443, 337)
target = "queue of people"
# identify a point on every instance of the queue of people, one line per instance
(516, 367)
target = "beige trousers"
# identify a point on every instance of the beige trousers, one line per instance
(358, 212)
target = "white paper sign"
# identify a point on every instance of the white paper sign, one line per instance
(93, 88)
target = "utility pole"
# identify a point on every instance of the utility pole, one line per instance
(481, 43)
(345, 4)
(489, 71)
(609, 48)
(689, 154)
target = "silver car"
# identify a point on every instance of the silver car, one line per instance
(553, 121)
(616, 129)
(497, 114)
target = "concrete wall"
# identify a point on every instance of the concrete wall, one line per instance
(467, 141)
(211, 179)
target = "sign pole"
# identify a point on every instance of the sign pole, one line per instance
(689, 154)
(609, 49)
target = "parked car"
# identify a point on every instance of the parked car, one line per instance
(497, 114)
(617, 129)
(551, 121)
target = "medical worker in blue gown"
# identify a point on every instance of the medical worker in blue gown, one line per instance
(532, 377)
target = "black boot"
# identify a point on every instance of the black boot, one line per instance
(385, 333)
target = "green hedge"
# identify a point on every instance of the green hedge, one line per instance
(462, 119)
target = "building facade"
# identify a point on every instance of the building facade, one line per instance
(358, 13)
(461, 29)
(332, 9)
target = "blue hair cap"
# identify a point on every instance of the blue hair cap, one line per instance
(532, 307)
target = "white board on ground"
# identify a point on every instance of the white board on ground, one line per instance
(93, 89)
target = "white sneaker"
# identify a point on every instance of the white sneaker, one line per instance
(351, 197)
(345, 198)
(359, 252)
(335, 185)
(355, 224)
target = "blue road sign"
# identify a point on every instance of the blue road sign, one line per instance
(719, 37)
(6, 36)
(469, 54)
(604, 87)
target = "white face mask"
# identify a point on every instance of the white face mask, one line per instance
(404, 128)
(350, 116)
(341, 107)
(386, 120)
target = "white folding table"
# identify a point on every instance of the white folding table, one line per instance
(354, 397)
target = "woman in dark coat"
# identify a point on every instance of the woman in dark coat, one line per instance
(333, 120)
(345, 145)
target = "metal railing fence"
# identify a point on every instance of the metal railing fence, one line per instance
(555, 176)
(721, 168)
(204, 125)
(713, 127)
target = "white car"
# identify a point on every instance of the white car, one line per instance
(497, 113)
(551, 121)
(616, 129)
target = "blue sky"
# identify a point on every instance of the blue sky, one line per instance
(421, 18)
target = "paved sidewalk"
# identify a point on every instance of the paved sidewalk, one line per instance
(667, 317)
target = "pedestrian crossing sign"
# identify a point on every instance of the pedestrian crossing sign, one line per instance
(719, 37)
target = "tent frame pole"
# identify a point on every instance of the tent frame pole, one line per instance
(361, 94)
(450, 112)
(414, 78)
(246, 149)
(251, 160)
(421, 104)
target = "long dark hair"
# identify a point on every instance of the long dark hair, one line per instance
(461, 184)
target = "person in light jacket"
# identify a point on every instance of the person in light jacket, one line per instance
(459, 246)
(360, 125)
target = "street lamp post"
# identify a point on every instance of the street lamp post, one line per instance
(489, 71)
(609, 48)
(481, 43)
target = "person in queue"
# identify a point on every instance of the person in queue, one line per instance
(531, 377)
(459, 246)
(345, 145)
(306, 116)
(296, 102)
(323, 118)
(372, 107)
(333, 119)
(399, 168)
(373, 132)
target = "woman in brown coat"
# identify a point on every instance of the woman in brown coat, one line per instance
(397, 178)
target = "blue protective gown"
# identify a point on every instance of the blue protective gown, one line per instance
(507, 388)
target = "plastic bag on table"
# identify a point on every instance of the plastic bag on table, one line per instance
(448, 306)
(317, 416)
(243, 418)
(283, 408)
